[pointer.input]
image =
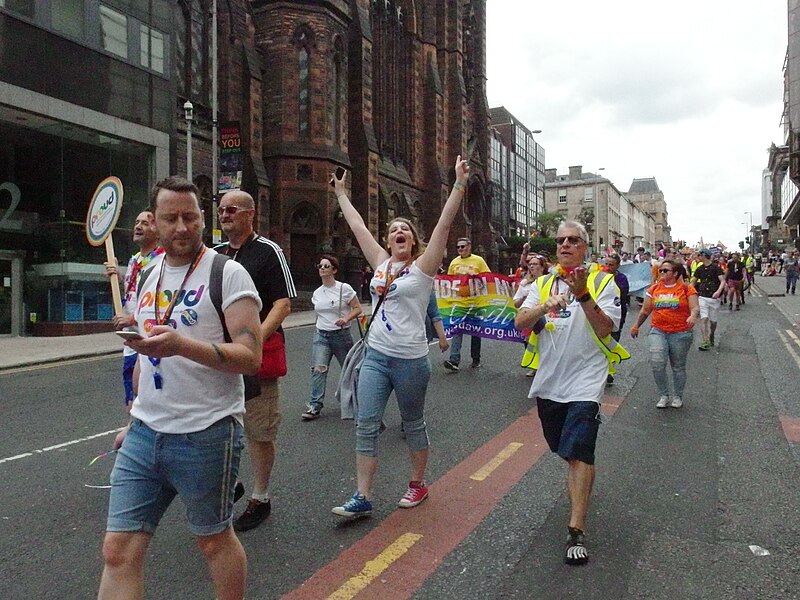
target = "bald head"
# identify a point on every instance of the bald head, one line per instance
(236, 214)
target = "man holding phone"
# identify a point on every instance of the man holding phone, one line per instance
(185, 434)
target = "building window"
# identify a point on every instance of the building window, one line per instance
(151, 48)
(114, 27)
(588, 194)
(68, 17)
(304, 103)
(305, 172)
(26, 8)
(562, 196)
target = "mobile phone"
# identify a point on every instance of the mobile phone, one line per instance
(339, 174)
(129, 335)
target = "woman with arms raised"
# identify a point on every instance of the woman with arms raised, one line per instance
(397, 350)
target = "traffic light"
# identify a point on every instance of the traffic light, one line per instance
(741, 245)
(747, 240)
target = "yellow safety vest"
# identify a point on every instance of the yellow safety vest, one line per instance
(610, 347)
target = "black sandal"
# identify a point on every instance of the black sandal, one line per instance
(576, 549)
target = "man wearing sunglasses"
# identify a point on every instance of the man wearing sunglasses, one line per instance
(267, 265)
(578, 312)
(465, 263)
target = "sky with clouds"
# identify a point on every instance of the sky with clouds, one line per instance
(688, 92)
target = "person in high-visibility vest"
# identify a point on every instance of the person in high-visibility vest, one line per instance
(579, 310)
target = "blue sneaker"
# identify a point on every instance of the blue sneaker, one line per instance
(357, 506)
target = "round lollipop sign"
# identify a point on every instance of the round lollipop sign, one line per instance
(104, 210)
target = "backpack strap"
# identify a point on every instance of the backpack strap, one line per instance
(215, 290)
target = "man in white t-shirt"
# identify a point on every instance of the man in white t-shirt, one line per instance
(185, 435)
(572, 371)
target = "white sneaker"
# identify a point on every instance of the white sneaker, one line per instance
(662, 402)
(677, 402)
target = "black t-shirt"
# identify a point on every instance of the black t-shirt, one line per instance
(264, 260)
(735, 270)
(707, 279)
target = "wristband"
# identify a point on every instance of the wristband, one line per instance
(458, 186)
(585, 297)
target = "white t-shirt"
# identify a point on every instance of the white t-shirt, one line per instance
(192, 396)
(399, 326)
(572, 367)
(523, 290)
(331, 304)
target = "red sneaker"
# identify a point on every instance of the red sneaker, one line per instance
(417, 492)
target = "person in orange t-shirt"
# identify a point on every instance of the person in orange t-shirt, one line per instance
(675, 310)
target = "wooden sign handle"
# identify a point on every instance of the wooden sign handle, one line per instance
(114, 279)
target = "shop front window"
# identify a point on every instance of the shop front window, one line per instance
(48, 175)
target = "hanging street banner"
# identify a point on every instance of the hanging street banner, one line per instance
(231, 157)
(478, 305)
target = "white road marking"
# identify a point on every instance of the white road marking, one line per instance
(60, 363)
(790, 349)
(58, 446)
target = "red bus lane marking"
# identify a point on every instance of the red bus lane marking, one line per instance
(791, 429)
(456, 506)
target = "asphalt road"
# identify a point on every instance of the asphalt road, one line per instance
(679, 498)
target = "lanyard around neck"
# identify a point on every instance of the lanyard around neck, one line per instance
(179, 293)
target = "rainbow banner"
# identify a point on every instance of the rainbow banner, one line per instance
(480, 305)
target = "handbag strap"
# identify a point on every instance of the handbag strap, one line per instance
(389, 281)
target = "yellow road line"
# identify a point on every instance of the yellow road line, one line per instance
(790, 349)
(376, 566)
(498, 460)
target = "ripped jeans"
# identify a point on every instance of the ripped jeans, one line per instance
(326, 345)
(380, 376)
(672, 347)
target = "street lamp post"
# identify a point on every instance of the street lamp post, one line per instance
(188, 114)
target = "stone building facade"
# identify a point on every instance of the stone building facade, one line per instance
(391, 90)
(646, 195)
(611, 219)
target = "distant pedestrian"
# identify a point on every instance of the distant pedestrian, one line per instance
(709, 281)
(734, 275)
(790, 266)
(674, 307)
(267, 265)
(580, 310)
(466, 263)
(145, 235)
(185, 435)
(537, 266)
(612, 264)
(336, 306)
(397, 351)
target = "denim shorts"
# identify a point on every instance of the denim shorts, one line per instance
(152, 468)
(570, 428)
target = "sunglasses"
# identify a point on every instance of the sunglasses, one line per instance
(462, 246)
(231, 210)
(665, 270)
(324, 265)
(572, 239)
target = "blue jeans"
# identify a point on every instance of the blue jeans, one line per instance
(379, 376)
(673, 347)
(152, 468)
(326, 344)
(455, 348)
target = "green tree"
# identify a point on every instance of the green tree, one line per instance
(548, 223)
